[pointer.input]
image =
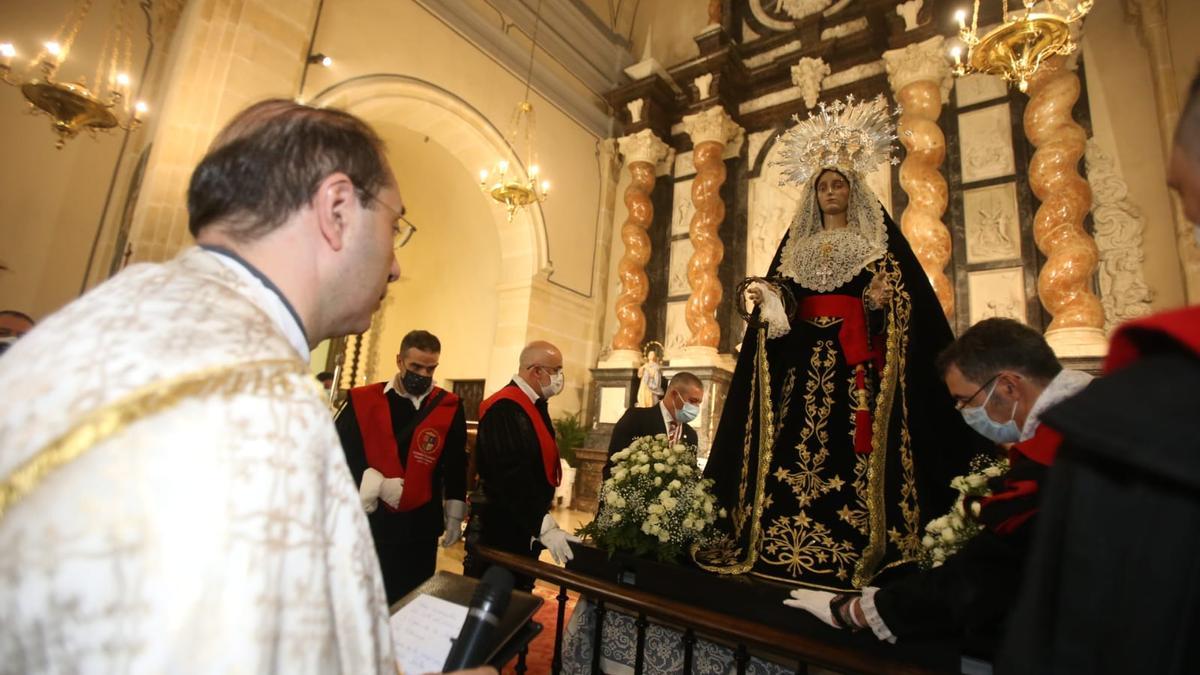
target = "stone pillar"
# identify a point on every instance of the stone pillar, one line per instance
(643, 153)
(920, 78)
(711, 131)
(1151, 19)
(226, 55)
(1064, 283)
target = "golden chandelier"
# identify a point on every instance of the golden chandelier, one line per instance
(74, 106)
(1016, 48)
(509, 187)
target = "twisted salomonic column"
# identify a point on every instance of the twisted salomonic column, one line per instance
(920, 78)
(710, 131)
(642, 151)
(1064, 283)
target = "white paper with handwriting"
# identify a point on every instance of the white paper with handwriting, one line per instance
(422, 632)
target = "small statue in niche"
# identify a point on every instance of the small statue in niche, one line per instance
(650, 379)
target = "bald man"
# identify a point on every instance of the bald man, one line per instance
(518, 462)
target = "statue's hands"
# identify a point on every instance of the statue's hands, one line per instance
(879, 292)
(755, 294)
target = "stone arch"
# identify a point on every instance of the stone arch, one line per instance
(471, 139)
(466, 133)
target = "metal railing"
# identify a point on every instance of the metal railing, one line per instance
(739, 633)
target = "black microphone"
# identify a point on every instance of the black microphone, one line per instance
(477, 639)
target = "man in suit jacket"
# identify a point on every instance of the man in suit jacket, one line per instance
(679, 406)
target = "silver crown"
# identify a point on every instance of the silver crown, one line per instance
(851, 137)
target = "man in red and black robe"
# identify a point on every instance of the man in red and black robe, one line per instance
(1114, 575)
(405, 442)
(518, 463)
(1003, 376)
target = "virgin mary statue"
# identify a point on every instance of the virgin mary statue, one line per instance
(838, 440)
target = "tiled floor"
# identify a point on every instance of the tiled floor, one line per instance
(450, 559)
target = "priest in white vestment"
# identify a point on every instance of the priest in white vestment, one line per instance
(174, 495)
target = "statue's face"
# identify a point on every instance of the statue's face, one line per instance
(833, 193)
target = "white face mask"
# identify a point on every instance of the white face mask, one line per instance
(555, 386)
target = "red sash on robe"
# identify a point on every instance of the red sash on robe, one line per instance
(548, 445)
(1129, 342)
(856, 346)
(424, 449)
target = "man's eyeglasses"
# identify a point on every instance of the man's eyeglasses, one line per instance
(963, 403)
(402, 229)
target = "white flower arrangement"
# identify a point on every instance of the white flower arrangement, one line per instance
(946, 535)
(656, 501)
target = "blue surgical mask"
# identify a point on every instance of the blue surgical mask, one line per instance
(686, 412)
(978, 419)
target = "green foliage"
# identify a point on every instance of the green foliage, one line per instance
(570, 434)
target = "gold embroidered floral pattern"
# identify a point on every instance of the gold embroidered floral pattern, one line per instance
(800, 544)
(806, 481)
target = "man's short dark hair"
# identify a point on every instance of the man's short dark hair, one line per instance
(999, 344)
(684, 379)
(422, 340)
(324, 376)
(19, 315)
(268, 161)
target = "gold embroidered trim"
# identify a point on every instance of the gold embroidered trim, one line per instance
(824, 321)
(877, 542)
(766, 444)
(155, 397)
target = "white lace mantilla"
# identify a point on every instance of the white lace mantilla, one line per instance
(829, 259)
(822, 260)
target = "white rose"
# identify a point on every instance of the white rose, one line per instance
(616, 517)
(655, 508)
(927, 541)
(620, 474)
(949, 536)
(646, 527)
(659, 467)
(976, 481)
(722, 513)
(664, 537)
(670, 459)
(658, 480)
(687, 522)
(675, 484)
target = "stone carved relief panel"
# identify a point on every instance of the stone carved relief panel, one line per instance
(678, 334)
(682, 208)
(993, 224)
(993, 293)
(987, 148)
(770, 212)
(977, 88)
(677, 279)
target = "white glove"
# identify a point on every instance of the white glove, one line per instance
(813, 602)
(390, 490)
(454, 511)
(368, 490)
(555, 539)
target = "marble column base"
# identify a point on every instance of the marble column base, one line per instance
(690, 357)
(621, 358)
(1076, 342)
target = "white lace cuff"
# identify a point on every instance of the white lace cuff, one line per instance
(771, 310)
(867, 603)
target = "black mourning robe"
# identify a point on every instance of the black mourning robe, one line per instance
(830, 518)
(1113, 583)
(513, 478)
(407, 542)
